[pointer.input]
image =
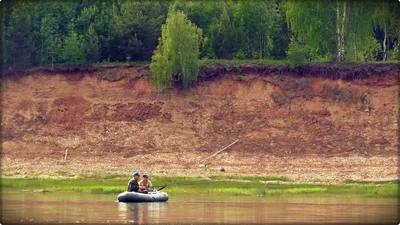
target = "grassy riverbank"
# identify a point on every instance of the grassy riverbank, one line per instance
(224, 184)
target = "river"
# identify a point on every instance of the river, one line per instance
(67, 207)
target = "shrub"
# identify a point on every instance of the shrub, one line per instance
(240, 55)
(239, 72)
(298, 54)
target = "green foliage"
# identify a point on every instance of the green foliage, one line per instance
(91, 46)
(72, 52)
(239, 72)
(298, 55)
(18, 38)
(136, 27)
(177, 53)
(222, 36)
(254, 22)
(107, 62)
(240, 55)
(372, 182)
(222, 184)
(317, 23)
(314, 23)
(242, 61)
(210, 54)
(39, 34)
(280, 34)
(371, 50)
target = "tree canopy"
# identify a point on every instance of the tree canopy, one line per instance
(90, 31)
(177, 52)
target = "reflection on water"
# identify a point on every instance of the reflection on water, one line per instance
(97, 208)
(142, 212)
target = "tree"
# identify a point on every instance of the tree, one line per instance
(340, 27)
(313, 23)
(206, 15)
(52, 39)
(177, 52)
(136, 28)
(343, 28)
(221, 36)
(386, 17)
(86, 18)
(102, 25)
(91, 46)
(72, 51)
(360, 41)
(280, 34)
(254, 22)
(18, 40)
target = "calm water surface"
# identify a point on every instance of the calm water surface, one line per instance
(97, 208)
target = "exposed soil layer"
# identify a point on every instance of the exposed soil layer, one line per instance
(343, 71)
(324, 121)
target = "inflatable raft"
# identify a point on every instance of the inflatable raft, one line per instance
(156, 196)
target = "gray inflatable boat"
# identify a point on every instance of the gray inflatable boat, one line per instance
(153, 196)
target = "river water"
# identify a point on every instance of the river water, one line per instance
(63, 207)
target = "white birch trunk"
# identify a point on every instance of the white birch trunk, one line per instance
(398, 42)
(384, 44)
(338, 32)
(342, 32)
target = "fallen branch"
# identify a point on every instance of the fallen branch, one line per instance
(65, 155)
(204, 160)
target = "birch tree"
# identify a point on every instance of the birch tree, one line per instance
(313, 24)
(386, 17)
(340, 26)
(177, 52)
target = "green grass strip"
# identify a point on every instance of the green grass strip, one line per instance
(225, 184)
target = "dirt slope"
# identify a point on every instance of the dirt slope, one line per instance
(112, 121)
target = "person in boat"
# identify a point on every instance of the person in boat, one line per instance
(145, 183)
(133, 184)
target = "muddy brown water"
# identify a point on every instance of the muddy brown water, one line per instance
(97, 208)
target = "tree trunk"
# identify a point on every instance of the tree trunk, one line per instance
(41, 55)
(355, 47)
(338, 32)
(260, 56)
(384, 44)
(398, 40)
(355, 43)
(342, 32)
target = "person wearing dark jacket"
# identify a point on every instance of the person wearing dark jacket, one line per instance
(133, 184)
